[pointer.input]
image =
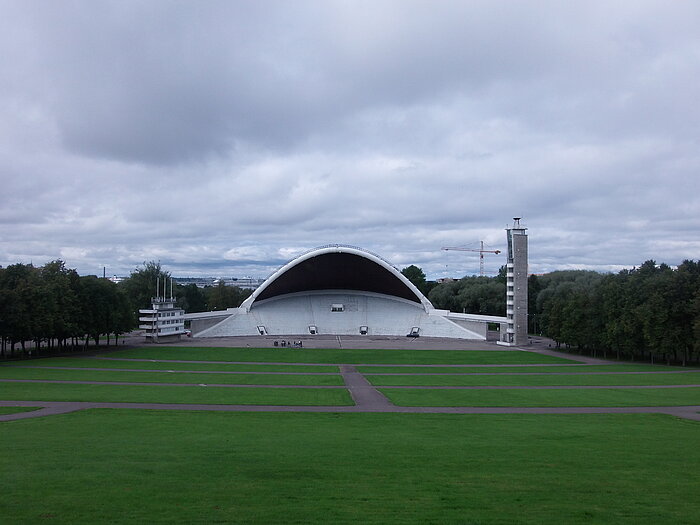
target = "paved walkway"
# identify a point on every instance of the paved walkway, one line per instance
(363, 393)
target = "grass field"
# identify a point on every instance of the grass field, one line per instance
(603, 397)
(15, 410)
(155, 365)
(174, 394)
(691, 378)
(129, 466)
(530, 369)
(352, 356)
(153, 466)
(170, 377)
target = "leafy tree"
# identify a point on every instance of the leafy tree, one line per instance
(533, 289)
(481, 295)
(105, 309)
(477, 295)
(502, 276)
(444, 295)
(21, 308)
(143, 283)
(416, 275)
(61, 301)
(191, 298)
(220, 297)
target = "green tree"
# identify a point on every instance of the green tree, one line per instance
(143, 283)
(417, 277)
(534, 287)
(105, 309)
(221, 297)
(191, 298)
(444, 295)
(481, 295)
(22, 312)
(61, 302)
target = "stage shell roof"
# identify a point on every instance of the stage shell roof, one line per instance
(338, 267)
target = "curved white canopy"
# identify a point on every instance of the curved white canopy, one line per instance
(338, 267)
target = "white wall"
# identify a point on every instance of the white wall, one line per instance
(383, 315)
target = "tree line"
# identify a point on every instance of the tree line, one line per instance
(470, 294)
(651, 312)
(141, 285)
(51, 308)
(54, 308)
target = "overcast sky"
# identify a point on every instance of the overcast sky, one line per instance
(223, 138)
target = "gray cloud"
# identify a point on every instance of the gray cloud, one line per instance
(226, 137)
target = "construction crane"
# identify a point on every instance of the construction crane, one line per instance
(481, 254)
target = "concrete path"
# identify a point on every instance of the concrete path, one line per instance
(363, 393)
(48, 408)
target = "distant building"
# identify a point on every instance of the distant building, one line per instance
(163, 320)
(249, 283)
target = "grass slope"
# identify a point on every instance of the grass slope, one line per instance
(331, 356)
(174, 394)
(603, 397)
(107, 466)
(83, 362)
(169, 377)
(16, 410)
(572, 368)
(690, 378)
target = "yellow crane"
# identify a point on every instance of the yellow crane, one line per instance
(481, 252)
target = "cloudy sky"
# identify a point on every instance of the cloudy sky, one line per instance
(223, 138)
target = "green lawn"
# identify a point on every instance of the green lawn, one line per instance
(571, 369)
(603, 397)
(174, 394)
(169, 377)
(16, 410)
(153, 365)
(690, 378)
(122, 466)
(333, 356)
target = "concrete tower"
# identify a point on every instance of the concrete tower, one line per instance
(516, 286)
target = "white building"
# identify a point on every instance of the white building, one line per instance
(163, 320)
(339, 290)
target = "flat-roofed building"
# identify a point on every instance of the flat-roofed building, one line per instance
(164, 320)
